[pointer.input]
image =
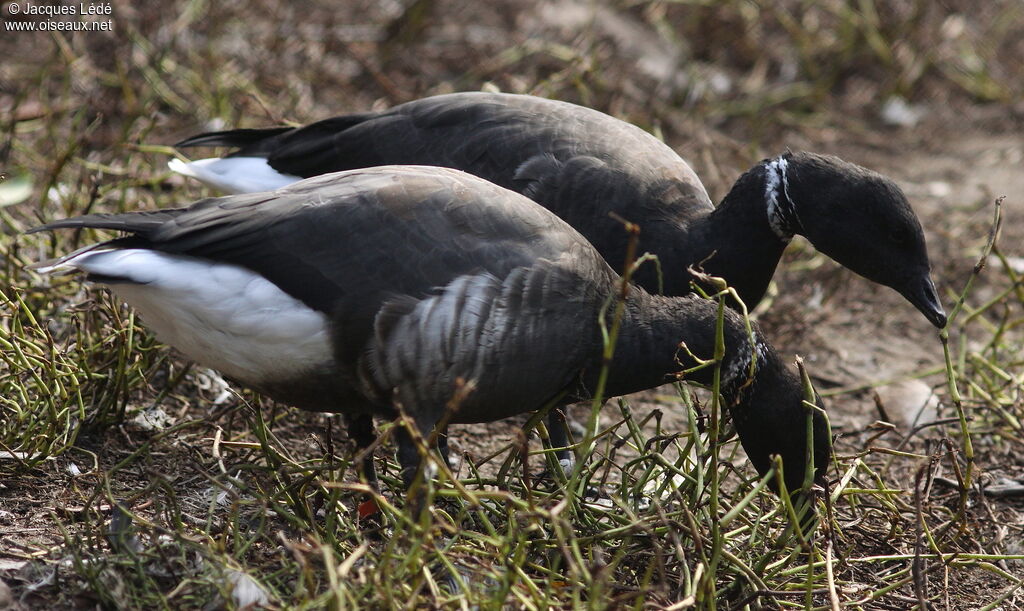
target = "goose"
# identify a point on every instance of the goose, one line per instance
(584, 165)
(388, 290)
(591, 169)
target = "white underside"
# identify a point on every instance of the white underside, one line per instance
(222, 316)
(234, 174)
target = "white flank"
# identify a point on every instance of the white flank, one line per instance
(234, 174)
(775, 176)
(222, 316)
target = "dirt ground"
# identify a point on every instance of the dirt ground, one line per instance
(865, 347)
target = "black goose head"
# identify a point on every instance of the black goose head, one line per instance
(771, 420)
(857, 217)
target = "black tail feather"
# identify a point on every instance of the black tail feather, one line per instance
(277, 141)
(239, 138)
(133, 222)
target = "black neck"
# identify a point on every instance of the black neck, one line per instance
(768, 411)
(747, 250)
(648, 351)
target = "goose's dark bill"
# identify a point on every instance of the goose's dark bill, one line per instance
(365, 290)
(922, 293)
(583, 165)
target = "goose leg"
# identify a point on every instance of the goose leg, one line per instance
(442, 446)
(558, 434)
(360, 430)
(409, 458)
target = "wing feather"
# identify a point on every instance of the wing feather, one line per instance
(542, 319)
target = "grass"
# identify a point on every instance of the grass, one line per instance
(131, 479)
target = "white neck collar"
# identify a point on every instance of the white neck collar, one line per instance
(782, 217)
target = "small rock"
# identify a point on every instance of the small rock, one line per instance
(939, 188)
(246, 592)
(909, 403)
(215, 124)
(211, 382)
(152, 419)
(953, 27)
(896, 111)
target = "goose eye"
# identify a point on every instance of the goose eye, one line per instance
(899, 235)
